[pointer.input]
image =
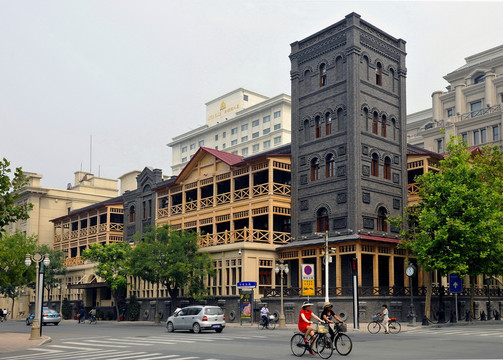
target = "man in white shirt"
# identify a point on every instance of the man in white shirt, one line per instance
(264, 313)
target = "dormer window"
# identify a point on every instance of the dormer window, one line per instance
(479, 79)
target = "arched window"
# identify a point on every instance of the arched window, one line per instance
(323, 75)
(328, 124)
(338, 68)
(315, 169)
(383, 126)
(393, 125)
(322, 220)
(366, 117)
(307, 81)
(374, 123)
(341, 124)
(379, 74)
(375, 165)
(392, 75)
(366, 65)
(317, 122)
(387, 168)
(382, 214)
(306, 130)
(330, 165)
(132, 214)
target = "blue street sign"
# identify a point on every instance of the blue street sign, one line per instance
(247, 285)
(455, 284)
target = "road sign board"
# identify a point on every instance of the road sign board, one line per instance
(247, 285)
(308, 280)
(455, 284)
(307, 272)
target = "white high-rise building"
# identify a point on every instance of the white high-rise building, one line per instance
(241, 122)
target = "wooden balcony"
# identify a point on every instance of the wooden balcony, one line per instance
(244, 235)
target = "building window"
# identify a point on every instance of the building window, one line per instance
(387, 168)
(306, 130)
(223, 135)
(234, 153)
(476, 108)
(265, 279)
(317, 122)
(322, 223)
(184, 159)
(483, 136)
(255, 123)
(216, 137)
(245, 97)
(266, 119)
(330, 165)
(315, 169)
(184, 149)
(216, 147)
(450, 112)
(244, 138)
(192, 146)
(267, 144)
(440, 146)
(464, 136)
(479, 79)
(374, 123)
(224, 146)
(277, 140)
(379, 74)
(328, 124)
(244, 127)
(234, 131)
(476, 139)
(375, 165)
(256, 147)
(234, 142)
(132, 214)
(255, 135)
(323, 75)
(266, 131)
(496, 133)
(383, 126)
(382, 214)
(277, 114)
(277, 126)
(201, 143)
(366, 64)
(244, 151)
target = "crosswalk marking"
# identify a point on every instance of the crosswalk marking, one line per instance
(132, 356)
(70, 347)
(458, 332)
(102, 345)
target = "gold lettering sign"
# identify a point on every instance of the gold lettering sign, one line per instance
(222, 105)
(223, 110)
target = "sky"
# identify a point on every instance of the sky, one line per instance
(134, 74)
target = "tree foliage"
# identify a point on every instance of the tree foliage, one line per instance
(111, 265)
(9, 211)
(171, 258)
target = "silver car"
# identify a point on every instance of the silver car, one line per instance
(197, 318)
(49, 316)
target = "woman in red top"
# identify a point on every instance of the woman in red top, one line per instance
(305, 323)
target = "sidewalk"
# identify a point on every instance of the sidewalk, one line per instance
(16, 342)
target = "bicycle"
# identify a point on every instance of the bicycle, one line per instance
(272, 323)
(93, 320)
(341, 342)
(375, 325)
(321, 339)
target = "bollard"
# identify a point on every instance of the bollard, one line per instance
(467, 316)
(482, 316)
(453, 318)
(425, 321)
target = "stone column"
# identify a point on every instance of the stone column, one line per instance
(460, 99)
(490, 90)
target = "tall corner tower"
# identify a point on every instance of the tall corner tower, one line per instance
(348, 130)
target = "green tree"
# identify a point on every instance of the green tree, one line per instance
(171, 258)
(54, 273)
(459, 224)
(10, 211)
(14, 274)
(112, 266)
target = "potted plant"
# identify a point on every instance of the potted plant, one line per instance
(133, 309)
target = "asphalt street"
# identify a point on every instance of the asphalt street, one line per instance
(141, 341)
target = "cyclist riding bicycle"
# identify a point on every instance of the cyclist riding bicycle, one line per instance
(305, 322)
(264, 313)
(385, 318)
(92, 312)
(328, 315)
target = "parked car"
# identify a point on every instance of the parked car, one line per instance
(49, 316)
(197, 318)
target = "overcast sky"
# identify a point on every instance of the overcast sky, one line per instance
(134, 74)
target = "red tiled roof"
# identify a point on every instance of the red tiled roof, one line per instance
(378, 238)
(228, 158)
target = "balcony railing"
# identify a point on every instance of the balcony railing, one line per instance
(73, 261)
(413, 189)
(472, 114)
(243, 235)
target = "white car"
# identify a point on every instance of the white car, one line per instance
(197, 318)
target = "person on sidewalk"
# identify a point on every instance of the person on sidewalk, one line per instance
(82, 315)
(385, 318)
(264, 313)
(305, 322)
(327, 315)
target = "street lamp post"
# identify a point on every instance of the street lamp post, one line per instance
(44, 259)
(283, 268)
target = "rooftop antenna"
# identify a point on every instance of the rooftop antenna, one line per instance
(99, 170)
(91, 154)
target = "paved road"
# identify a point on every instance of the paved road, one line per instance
(112, 341)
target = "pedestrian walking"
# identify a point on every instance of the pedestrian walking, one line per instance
(82, 315)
